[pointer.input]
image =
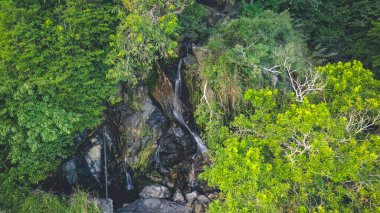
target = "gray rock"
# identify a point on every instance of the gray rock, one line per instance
(169, 183)
(154, 205)
(93, 159)
(191, 196)
(70, 171)
(203, 199)
(213, 196)
(106, 205)
(155, 191)
(178, 197)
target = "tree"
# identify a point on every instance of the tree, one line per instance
(148, 31)
(366, 48)
(285, 155)
(53, 76)
(352, 92)
(339, 26)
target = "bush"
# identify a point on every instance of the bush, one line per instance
(44, 202)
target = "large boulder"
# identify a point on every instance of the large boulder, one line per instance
(70, 171)
(190, 197)
(203, 199)
(155, 191)
(155, 205)
(93, 158)
(86, 167)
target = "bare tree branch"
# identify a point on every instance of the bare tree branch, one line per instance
(311, 83)
(358, 121)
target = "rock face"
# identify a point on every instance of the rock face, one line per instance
(138, 140)
(140, 127)
(145, 150)
(154, 205)
(164, 94)
(155, 191)
(86, 167)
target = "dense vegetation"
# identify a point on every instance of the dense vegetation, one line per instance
(314, 155)
(287, 110)
(53, 83)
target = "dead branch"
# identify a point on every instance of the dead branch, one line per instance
(311, 83)
(358, 121)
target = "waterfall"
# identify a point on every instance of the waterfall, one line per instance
(177, 108)
(128, 178)
(157, 157)
(192, 177)
(105, 159)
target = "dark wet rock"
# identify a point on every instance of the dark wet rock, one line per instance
(155, 191)
(178, 197)
(155, 205)
(141, 127)
(106, 205)
(163, 93)
(175, 147)
(203, 199)
(85, 168)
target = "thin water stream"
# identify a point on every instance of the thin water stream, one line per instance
(177, 109)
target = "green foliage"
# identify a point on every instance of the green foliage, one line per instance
(79, 203)
(293, 157)
(353, 93)
(147, 32)
(242, 50)
(43, 202)
(210, 118)
(254, 8)
(193, 22)
(226, 2)
(341, 26)
(144, 157)
(366, 48)
(350, 86)
(53, 76)
(13, 191)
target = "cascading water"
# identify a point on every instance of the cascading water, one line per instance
(128, 178)
(157, 157)
(192, 177)
(177, 108)
(105, 159)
